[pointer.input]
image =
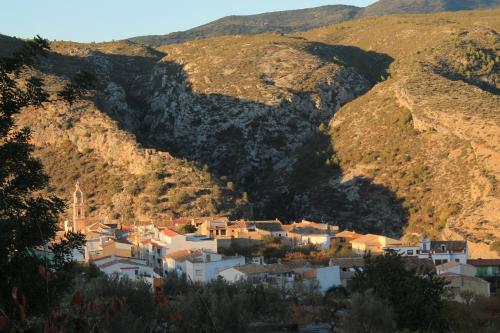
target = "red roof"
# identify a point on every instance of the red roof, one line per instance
(170, 232)
(147, 241)
(182, 220)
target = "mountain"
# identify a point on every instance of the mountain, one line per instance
(280, 22)
(382, 124)
(305, 19)
(387, 7)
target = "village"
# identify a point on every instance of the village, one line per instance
(305, 253)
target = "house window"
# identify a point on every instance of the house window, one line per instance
(158, 251)
(136, 272)
(409, 252)
(457, 260)
(198, 272)
(443, 247)
(223, 232)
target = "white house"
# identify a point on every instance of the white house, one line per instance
(269, 228)
(252, 272)
(442, 252)
(375, 244)
(129, 267)
(456, 268)
(93, 247)
(321, 240)
(200, 265)
(307, 232)
(283, 276)
(328, 277)
(169, 241)
(403, 250)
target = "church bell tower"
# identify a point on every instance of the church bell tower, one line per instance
(78, 210)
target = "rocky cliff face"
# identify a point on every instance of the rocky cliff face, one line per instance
(300, 126)
(439, 115)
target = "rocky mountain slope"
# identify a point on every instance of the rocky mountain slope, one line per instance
(122, 180)
(383, 124)
(440, 118)
(304, 19)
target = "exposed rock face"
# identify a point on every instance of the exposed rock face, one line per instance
(440, 124)
(243, 122)
(309, 125)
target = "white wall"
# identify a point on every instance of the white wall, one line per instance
(323, 241)
(122, 270)
(232, 275)
(183, 243)
(328, 277)
(207, 271)
(462, 257)
(459, 269)
(406, 251)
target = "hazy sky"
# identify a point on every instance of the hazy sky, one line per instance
(98, 20)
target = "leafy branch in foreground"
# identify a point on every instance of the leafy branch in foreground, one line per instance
(29, 278)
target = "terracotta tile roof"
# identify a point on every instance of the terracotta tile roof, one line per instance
(348, 234)
(239, 224)
(169, 232)
(181, 221)
(368, 239)
(98, 258)
(182, 255)
(484, 262)
(147, 241)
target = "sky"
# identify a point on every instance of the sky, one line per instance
(104, 20)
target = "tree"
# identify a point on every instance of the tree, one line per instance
(187, 228)
(370, 314)
(108, 304)
(468, 296)
(28, 219)
(221, 307)
(416, 298)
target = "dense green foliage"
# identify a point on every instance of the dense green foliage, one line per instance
(187, 228)
(415, 298)
(370, 314)
(28, 220)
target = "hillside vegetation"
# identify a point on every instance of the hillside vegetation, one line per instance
(304, 19)
(440, 118)
(383, 124)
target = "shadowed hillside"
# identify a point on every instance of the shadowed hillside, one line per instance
(383, 124)
(438, 114)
